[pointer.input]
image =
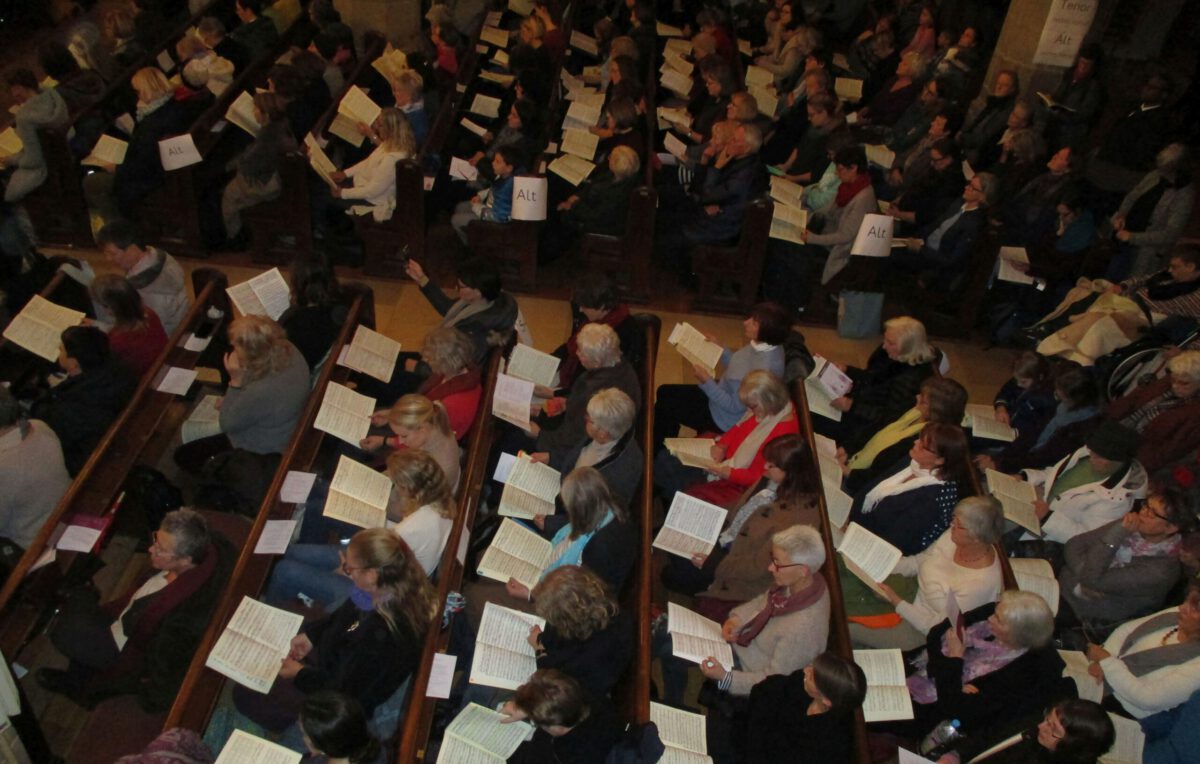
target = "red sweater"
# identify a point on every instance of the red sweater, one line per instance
(139, 348)
(733, 438)
(460, 395)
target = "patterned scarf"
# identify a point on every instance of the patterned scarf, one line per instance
(780, 603)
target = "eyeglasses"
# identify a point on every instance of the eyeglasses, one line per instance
(1143, 506)
(347, 568)
(778, 566)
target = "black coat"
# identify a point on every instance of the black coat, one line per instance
(603, 206)
(142, 173)
(882, 392)
(780, 731)
(81, 409)
(596, 662)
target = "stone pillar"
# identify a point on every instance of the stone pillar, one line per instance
(398, 20)
(1017, 44)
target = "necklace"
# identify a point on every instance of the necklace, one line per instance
(1167, 637)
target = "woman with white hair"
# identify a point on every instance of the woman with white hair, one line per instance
(737, 455)
(600, 207)
(1153, 214)
(1003, 666)
(563, 421)
(1165, 413)
(961, 564)
(780, 631)
(883, 390)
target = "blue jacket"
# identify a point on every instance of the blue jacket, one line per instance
(500, 208)
(1173, 736)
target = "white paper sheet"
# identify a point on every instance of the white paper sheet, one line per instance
(177, 381)
(276, 536)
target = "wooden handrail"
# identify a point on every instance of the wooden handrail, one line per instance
(97, 484)
(201, 686)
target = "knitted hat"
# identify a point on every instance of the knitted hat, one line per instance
(1113, 441)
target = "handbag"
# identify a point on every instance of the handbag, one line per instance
(860, 314)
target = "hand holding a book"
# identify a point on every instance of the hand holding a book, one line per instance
(985, 462)
(517, 589)
(301, 647)
(535, 637)
(889, 594)
(372, 443)
(730, 629)
(722, 471)
(1041, 509)
(290, 668)
(701, 373)
(954, 645)
(699, 559)
(1002, 415)
(511, 713)
(554, 406)
(380, 417)
(712, 669)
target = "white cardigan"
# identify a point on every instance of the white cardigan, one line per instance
(1157, 690)
(937, 575)
(375, 181)
(1086, 507)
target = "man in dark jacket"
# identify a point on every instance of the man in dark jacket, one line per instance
(81, 407)
(257, 33)
(941, 258)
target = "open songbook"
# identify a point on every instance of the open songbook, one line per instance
(585, 43)
(503, 656)
(1051, 103)
(1035, 575)
(848, 88)
(692, 526)
(318, 160)
(512, 400)
(39, 326)
(357, 106)
(676, 81)
(695, 638)
(1016, 496)
(244, 748)
(819, 401)
(684, 734)
(838, 503)
(204, 421)
(532, 366)
(241, 113)
(358, 495)
(695, 347)
(835, 381)
(581, 143)
(1076, 669)
(530, 489)
(391, 63)
(692, 452)
(516, 552)
(787, 192)
(983, 423)
(486, 106)
(108, 150)
(1008, 260)
(372, 353)
(880, 155)
(493, 36)
(345, 414)
(267, 294)
(1129, 743)
(868, 556)
(254, 644)
(479, 736)
(887, 692)
(788, 223)
(571, 168)
(10, 143)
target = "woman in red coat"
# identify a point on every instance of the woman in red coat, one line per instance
(137, 335)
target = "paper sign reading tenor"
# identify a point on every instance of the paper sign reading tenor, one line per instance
(692, 526)
(874, 237)
(1066, 26)
(358, 495)
(39, 326)
(255, 641)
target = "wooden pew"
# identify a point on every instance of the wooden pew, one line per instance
(18, 366)
(202, 686)
(413, 735)
(137, 436)
(58, 207)
(839, 631)
(728, 276)
(281, 229)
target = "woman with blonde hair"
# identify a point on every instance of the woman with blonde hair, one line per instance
(374, 178)
(137, 335)
(420, 424)
(365, 650)
(268, 387)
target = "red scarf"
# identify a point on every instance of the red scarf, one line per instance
(571, 367)
(848, 191)
(779, 603)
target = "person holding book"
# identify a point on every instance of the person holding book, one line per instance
(374, 178)
(733, 572)
(493, 204)
(156, 275)
(268, 387)
(961, 564)
(35, 108)
(136, 336)
(317, 312)
(1003, 666)
(1126, 568)
(336, 732)
(366, 650)
(913, 506)
(143, 641)
(571, 725)
(1072, 732)
(482, 309)
(420, 511)
(815, 705)
(587, 636)
(257, 178)
(420, 424)
(714, 405)
(1165, 412)
(1026, 401)
(595, 299)
(737, 456)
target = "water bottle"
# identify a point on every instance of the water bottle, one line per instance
(941, 739)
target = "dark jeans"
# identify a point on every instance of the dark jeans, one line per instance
(681, 405)
(680, 575)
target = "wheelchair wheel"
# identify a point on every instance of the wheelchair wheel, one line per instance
(1138, 369)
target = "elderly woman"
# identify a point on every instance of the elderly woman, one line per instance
(32, 472)
(1151, 664)
(601, 206)
(780, 631)
(987, 120)
(1072, 732)
(1153, 215)
(610, 446)
(1090, 488)
(940, 401)
(268, 387)
(794, 42)
(137, 335)
(143, 641)
(81, 407)
(898, 93)
(1165, 413)
(962, 563)
(733, 572)
(483, 310)
(881, 392)
(365, 650)
(595, 299)
(420, 510)
(912, 507)
(1003, 666)
(737, 455)
(409, 91)
(454, 379)
(815, 705)
(587, 636)
(1125, 569)
(714, 405)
